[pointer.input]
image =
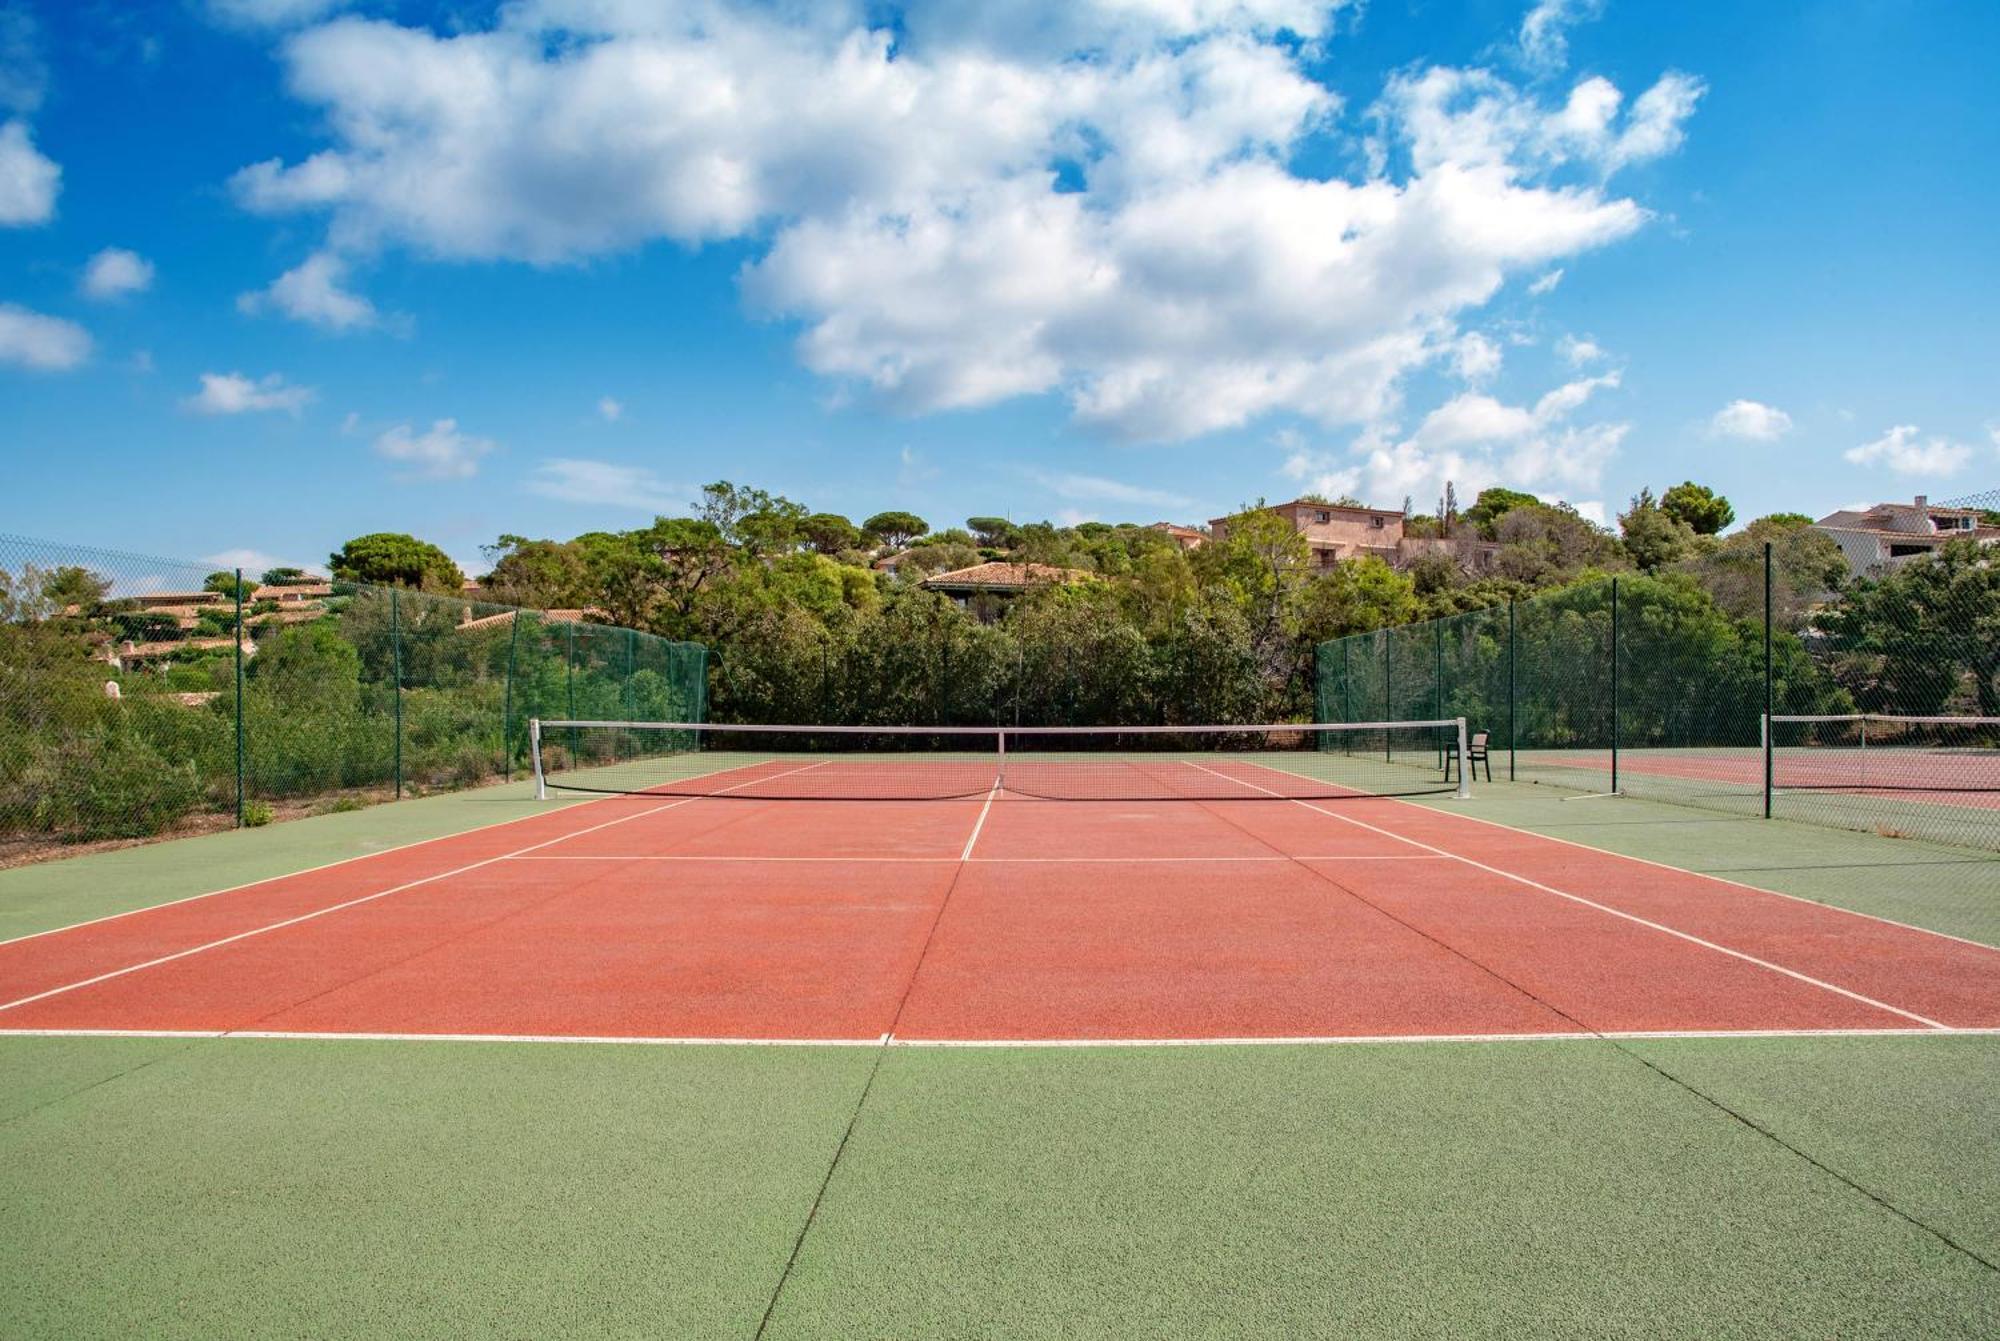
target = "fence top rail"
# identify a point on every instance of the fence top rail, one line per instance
(1440, 723)
(1884, 717)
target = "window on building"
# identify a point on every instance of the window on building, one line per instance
(1377, 522)
(1905, 551)
(1323, 516)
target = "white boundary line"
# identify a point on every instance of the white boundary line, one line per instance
(885, 1040)
(1690, 937)
(978, 824)
(1699, 875)
(348, 903)
(539, 813)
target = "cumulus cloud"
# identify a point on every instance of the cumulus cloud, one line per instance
(32, 340)
(233, 393)
(1091, 200)
(1544, 35)
(28, 181)
(251, 561)
(611, 411)
(1901, 451)
(312, 292)
(1476, 358)
(440, 453)
(1577, 352)
(1473, 440)
(115, 272)
(1093, 488)
(1751, 421)
(573, 480)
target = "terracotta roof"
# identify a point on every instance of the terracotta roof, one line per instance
(1174, 528)
(998, 576)
(553, 616)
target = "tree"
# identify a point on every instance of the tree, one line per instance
(1495, 503)
(896, 529)
(830, 533)
(1653, 537)
(992, 532)
(1544, 543)
(225, 583)
(391, 559)
(539, 574)
(751, 519)
(1924, 639)
(1703, 510)
(284, 577)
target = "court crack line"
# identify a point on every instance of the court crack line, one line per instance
(1606, 908)
(1621, 1046)
(874, 1070)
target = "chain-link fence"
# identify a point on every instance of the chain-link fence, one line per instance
(141, 696)
(1661, 685)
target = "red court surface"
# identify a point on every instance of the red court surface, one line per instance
(1001, 920)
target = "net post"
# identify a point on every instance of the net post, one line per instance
(237, 640)
(1000, 764)
(1464, 762)
(1769, 682)
(535, 754)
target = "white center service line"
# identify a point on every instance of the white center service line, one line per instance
(356, 902)
(979, 824)
(1662, 927)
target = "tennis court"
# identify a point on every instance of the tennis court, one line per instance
(1226, 1047)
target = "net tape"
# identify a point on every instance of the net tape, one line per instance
(1310, 761)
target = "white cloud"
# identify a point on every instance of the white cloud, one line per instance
(24, 74)
(351, 424)
(611, 411)
(1546, 283)
(901, 195)
(1901, 452)
(1473, 440)
(28, 181)
(272, 13)
(1476, 358)
(1750, 420)
(1084, 488)
(32, 340)
(233, 393)
(253, 562)
(1577, 352)
(600, 482)
(1593, 510)
(312, 293)
(115, 272)
(1544, 36)
(440, 453)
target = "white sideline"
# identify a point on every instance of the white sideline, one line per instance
(1700, 875)
(303, 870)
(350, 903)
(888, 1040)
(1690, 937)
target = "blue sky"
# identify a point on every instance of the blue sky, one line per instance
(278, 272)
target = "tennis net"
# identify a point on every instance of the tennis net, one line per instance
(1925, 777)
(1180, 763)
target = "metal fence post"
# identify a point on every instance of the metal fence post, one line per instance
(507, 700)
(1513, 700)
(396, 666)
(1614, 685)
(1770, 688)
(237, 638)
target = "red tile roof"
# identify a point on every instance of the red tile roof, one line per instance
(998, 576)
